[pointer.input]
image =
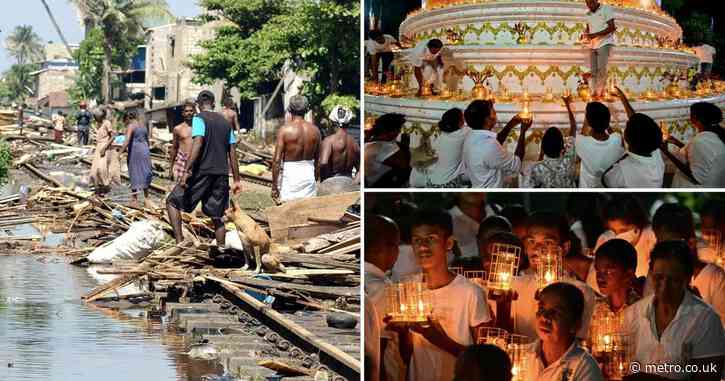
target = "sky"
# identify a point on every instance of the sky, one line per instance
(32, 12)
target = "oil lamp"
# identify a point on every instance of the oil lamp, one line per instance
(525, 113)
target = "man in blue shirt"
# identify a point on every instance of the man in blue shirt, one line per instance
(83, 122)
(206, 176)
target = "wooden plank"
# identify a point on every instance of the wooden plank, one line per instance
(42, 175)
(297, 212)
(303, 232)
(343, 250)
(293, 327)
(330, 292)
(319, 260)
(347, 244)
(285, 369)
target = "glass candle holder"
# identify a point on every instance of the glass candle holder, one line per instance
(505, 260)
(550, 266)
(408, 301)
(476, 276)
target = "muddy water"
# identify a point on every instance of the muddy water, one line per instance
(46, 333)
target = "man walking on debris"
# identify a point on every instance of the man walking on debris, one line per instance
(340, 154)
(181, 144)
(83, 121)
(206, 175)
(297, 153)
(230, 114)
(58, 126)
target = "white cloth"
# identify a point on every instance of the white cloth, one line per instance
(635, 171)
(695, 332)
(710, 283)
(643, 242)
(716, 179)
(596, 156)
(449, 148)
(699, 154)
(465, 230)
(705, 53)
(372, 341)
(373, 47)
(298, 180)
(458, 306)
(578, 229)
(598, 22)
(486, 161)
(375, 155)
(576, 364)
(592, 279)
(375, 282)
(524, 308)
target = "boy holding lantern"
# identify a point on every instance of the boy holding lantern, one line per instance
(545, 231)
(459, 306)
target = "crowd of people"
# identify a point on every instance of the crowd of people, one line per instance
(650, 269)
(470, 154)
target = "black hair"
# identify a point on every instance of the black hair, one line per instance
(190, 102)
(677, 250)
(714, 208)
(477, 112)
(620, 252)
(451, 120)
(509, 239)
(205, 98)
(375, 34)
(552, 220)
(586, 208)
(553, 142)
(516, 214)
(433, 217)
(388, 123)
(642, 134)
(493, 224)
(570, 295)
(710, 116)
(378, 227)
(228, 102)
(673, 220)
(435, 44)
(492, 361)
(598, 116)
(626, 208)
(131, 115)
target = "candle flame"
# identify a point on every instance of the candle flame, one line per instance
(548, 277)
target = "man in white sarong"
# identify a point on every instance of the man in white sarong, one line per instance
(297, 154)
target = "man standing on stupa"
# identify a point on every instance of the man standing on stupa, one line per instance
(600, 36)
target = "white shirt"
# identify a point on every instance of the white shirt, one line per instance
(449, 148)
(596, 156)
(524, 308)
(578, 229)
(458, 306)
(373, 47)
(716, 179)
(486, 160)
(465, 230)
(421, 55)
(375, 282)
(598, 21)
(705, 53)
(375, 154)
(710, 283)
(635, 171)
(576, 363)
(643, 242)
(695, 332)
(372, 339)
(699, 154)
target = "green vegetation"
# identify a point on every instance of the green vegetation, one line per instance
(6, 160)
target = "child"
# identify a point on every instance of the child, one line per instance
(598, 150)
(387, 163)
(642, 165)
(483, 362)
(459, 305)
(556, 168)
(544, 229)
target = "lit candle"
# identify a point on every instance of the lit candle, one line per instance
(665, 130)
(548, 277)
(421, 307)
(525, 114)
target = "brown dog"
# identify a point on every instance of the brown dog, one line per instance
(254, 239)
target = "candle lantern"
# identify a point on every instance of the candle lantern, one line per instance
(549, 265)
(492, 335)
(610, 344)
(525, 113)
(519, 350)
(408, 301)
(476, 276)
(456, 270)
(504, 265)
(709, 246)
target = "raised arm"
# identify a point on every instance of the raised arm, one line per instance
(625, 102)
(572, 120)
(504, 133)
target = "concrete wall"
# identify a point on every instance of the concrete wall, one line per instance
(52, 80)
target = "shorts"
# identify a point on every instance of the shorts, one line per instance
(211, 190)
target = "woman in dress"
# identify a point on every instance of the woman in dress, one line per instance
(106, 168)
(139, 157)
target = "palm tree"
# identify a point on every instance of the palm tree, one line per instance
(25, 45)
(18, 81)
(57, 28)
(118, 20)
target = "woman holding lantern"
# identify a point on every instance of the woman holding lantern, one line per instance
(672, 328)
(557, 355)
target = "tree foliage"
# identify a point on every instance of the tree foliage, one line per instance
(5, 160)
(17, 82)
(25, 45)
(319, 38)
